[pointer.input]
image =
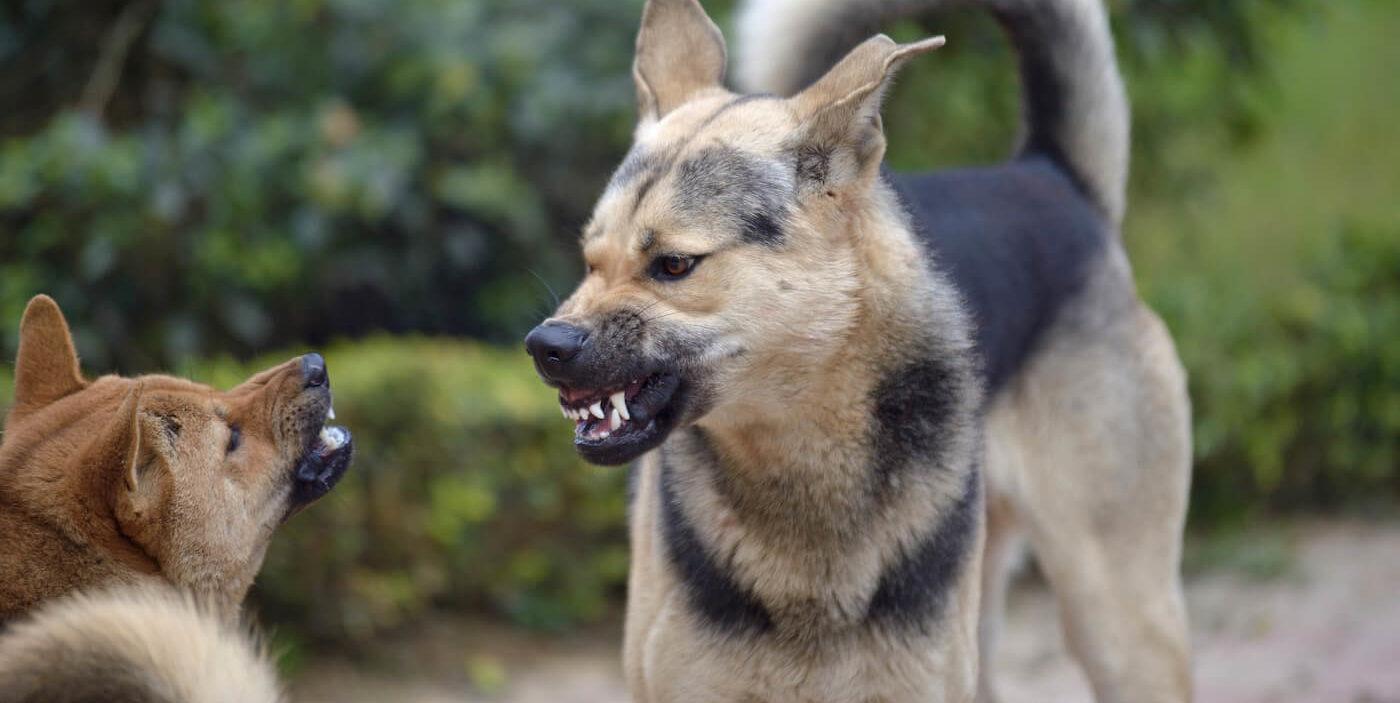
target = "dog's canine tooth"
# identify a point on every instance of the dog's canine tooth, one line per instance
(330, 412)
(619, 401)
(614, 420)
(597, 409)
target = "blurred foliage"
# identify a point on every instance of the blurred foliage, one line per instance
(465, 492)
(191, 177)
(1298, 407)
(275, 170)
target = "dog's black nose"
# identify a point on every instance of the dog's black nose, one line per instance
(554, 343)
(313, 369)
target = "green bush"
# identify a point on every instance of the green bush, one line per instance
(1296, 398)
(272, 171)
(197, 177)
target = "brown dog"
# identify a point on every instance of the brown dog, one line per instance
(155, 479)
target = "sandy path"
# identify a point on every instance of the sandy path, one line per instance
(1325, 631)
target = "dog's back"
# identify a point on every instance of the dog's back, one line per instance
(144, 645)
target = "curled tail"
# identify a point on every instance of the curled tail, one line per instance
(148, 645)
(1074, 108)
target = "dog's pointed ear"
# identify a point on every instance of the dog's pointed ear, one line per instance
(122, 445)
(46, 368)
(680, 52)
(841, 111)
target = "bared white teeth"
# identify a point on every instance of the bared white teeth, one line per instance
(330, 412)
(614, 420)
(619, 403)
(597, 409)
(333, 438)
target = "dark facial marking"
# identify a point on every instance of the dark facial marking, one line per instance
(760, 228)
(636, 163)
(914, 591)
(653, 166)
(731, 105)
(813, 163)
(722, 183)
(712, 592)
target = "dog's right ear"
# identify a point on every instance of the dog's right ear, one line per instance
(842, 135)
(680, 52)
(46, 368)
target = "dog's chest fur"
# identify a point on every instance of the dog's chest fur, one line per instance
(838, 535)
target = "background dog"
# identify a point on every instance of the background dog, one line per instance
(147, 482)
(822, 355)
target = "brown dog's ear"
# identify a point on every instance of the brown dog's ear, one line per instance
(46, 367)
(122, 446)
(127, 455)
(680, 52)
(841, 111)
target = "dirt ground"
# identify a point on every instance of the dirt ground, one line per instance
(1304, 614)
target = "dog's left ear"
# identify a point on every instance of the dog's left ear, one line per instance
(46, 368)
(841, 111)
(680, 52)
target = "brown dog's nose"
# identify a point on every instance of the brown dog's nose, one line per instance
(553, 344)
(313, 369)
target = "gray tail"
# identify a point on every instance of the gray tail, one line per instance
(1074, 108)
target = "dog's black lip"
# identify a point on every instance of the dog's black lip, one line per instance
(625, 446)
(317, 472)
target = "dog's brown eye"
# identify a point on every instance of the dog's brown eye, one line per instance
(673, 267)
(234, 437)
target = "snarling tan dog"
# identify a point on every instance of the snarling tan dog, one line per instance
(849, 391)
(138, 488)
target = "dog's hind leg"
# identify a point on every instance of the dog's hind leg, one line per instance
(1102, 419)
(1004, 545)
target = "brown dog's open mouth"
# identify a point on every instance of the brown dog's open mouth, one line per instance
(615, 424)
(322, 464)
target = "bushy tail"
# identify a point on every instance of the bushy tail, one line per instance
(1075, 110)
(149, 645)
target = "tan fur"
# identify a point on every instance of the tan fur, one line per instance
(1089, 455)
(135, 645)
(776, 525)
(123, 480)
(799, 338)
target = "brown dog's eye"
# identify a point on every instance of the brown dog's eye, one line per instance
(673, 267)
(234, 436)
